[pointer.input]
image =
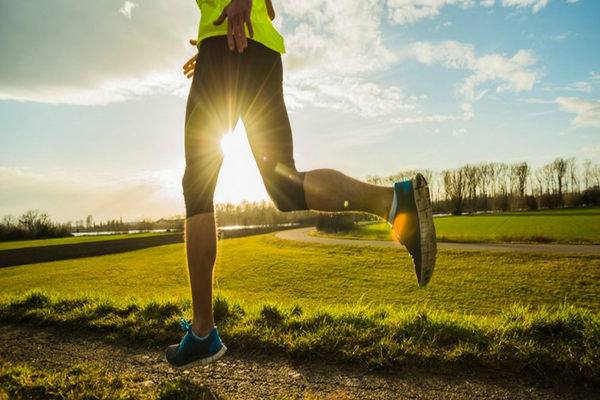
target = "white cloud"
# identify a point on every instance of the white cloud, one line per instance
(127, 8)
(590, 150)
(411, 11)
(459, 132)
(508, 74)
(89, 53)
(334, 48)
(588, 111)
(538, 101)
(535, 5)
(104, 93)
(71, 195)
(428, 118)
(562, 36)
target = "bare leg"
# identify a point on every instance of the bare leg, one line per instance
(330, 190)
(201, 248)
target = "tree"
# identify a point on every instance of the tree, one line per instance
(520, 174)
(454, 182)
(560, 169)
(33, 221)
(89, 222)
(587, 173)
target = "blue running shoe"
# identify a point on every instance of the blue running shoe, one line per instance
(411, 219)
(193, 352)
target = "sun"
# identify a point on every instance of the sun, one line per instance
(239, 178)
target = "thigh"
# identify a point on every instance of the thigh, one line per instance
(211, 112)
(264, 112)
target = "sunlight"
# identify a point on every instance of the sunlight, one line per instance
(239, 178)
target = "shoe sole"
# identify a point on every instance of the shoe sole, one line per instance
(426, 228)
(201, 362)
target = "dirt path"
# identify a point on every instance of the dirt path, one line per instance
(242, 376)
(302, 235)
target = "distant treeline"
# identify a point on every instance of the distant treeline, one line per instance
(263, 213)
(32, 224)
(493, 186)
(471, 188)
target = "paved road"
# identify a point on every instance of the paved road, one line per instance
(301, 235)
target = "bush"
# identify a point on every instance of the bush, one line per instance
(550, 201)
(530, 203)
(336, 222)
(591, 196)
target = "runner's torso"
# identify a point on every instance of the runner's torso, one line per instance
(264, 32)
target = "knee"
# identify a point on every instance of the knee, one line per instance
(285, 186)
(197, 195)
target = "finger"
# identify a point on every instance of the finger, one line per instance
(188, 70)
(240, 36)
(193, 42)
(221, 18)
(191, 62)
(249, 23)
(190, 75)
(230, 36)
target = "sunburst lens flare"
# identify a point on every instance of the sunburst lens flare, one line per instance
(398, 226)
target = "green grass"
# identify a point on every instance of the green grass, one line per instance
(264, 268)
(21, 244)
(572, 226)
(557, 343)
(89, 381)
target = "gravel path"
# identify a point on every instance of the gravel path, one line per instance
(239, 375)
(302, 235)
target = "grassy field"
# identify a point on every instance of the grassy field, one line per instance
(572, 226)
(88, 381)
(264, 268)
(357, 305)
(546, 343)
(21, 244)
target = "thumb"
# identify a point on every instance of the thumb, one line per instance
(221, 18)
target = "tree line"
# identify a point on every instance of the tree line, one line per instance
(492, 186)
(32, 224)
(471, 188)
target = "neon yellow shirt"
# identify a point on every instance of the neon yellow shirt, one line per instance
(264, 31)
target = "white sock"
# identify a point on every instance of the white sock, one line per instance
(200, 338)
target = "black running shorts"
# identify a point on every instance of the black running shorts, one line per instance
(226, 86)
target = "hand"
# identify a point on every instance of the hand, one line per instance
(270, 9)
(188, 67)
(237, 13)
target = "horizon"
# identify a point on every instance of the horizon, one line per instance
(91, 117)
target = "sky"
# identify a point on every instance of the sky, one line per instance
(92, 95)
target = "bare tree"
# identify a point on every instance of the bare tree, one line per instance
(587, 173)
(519, 176)
(454, 182)
(34, 220)
(560, 169)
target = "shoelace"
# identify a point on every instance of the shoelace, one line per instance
(185, 326)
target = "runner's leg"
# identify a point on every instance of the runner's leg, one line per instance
(268, 127)
(211, 112)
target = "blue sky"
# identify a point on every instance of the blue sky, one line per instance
(92, 98)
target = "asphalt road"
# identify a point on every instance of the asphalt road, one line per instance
(302, 235)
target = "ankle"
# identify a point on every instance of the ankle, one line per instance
(201, 331)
